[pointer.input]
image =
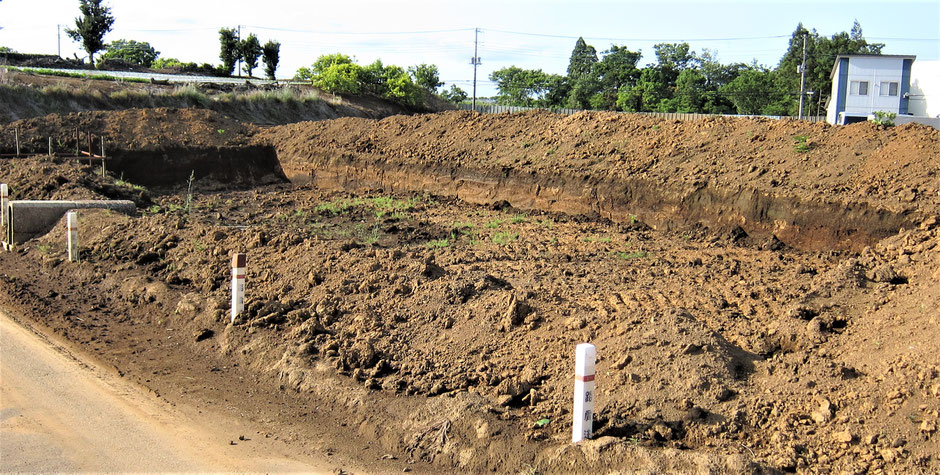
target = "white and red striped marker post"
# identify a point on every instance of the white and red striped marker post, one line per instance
(582, 428)
(4, 199)
(71, 219)
(239, 264)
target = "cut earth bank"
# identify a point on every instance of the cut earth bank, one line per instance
(762, 294)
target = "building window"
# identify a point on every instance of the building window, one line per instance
(859, 88)
(889, 88)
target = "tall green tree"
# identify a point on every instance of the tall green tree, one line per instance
(90, 28)
(690, 91)
(133, 52)
(250, 50)
(676, 56)
(271, 56)
(229, 53)
(821, 53)
(716, 76)
(426, 76)
(652, 92)
(582, 81)
(582, 60)
(616, 70)
(757, 91)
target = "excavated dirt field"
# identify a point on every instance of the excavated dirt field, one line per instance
(763, 295)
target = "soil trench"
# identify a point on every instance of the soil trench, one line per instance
(800, 224)
(245, 165)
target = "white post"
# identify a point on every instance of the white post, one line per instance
(585, 355)
(4, 199)
(239, 262)
(72, 224)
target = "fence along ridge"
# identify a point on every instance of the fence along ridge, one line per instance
(498, 109)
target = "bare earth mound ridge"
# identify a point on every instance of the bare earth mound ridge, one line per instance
(762, 293)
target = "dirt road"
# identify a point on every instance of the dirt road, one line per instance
(58, 414)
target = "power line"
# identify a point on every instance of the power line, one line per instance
(358, 33)
(544, 35)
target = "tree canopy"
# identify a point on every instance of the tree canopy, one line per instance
(229, 53)
(133, 52)
(426, 76)
(250, 50)
(271, 55)
(339, 73)
(90, 28)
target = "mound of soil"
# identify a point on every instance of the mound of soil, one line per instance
(811, 185)
(429, 333)
(133, 129)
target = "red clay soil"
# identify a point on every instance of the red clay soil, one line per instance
(417, 330)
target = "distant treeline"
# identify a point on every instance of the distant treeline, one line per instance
(683, 81)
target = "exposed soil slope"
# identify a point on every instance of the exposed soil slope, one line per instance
(811, 185)
(160, 146)
(26, 95)
(426, 329)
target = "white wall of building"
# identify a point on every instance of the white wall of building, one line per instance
(875, 72)
(925, 89)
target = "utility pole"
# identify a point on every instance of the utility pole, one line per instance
(58, 31)
(238, 51)
(803, 79)
(475, 61)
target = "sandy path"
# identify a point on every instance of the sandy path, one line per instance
(58, 414)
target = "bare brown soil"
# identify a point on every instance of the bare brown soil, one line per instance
(415, 296)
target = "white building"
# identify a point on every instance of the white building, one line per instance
(925, 89)
(865, 84)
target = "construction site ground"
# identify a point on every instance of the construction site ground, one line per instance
(763, 294)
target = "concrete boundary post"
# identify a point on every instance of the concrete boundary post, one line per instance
(72, 223)
(582, 428)
(239, 266)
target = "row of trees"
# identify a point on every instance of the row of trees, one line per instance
(96, 21)
(681, 80)
(248, 51)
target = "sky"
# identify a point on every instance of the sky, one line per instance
(531, 34)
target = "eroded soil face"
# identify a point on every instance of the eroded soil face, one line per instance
(436, 331)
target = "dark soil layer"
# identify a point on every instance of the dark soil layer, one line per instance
(424, 331)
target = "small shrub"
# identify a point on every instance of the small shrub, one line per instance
(801, 144)
(505, 238)
(439, 243)
(883, 118)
